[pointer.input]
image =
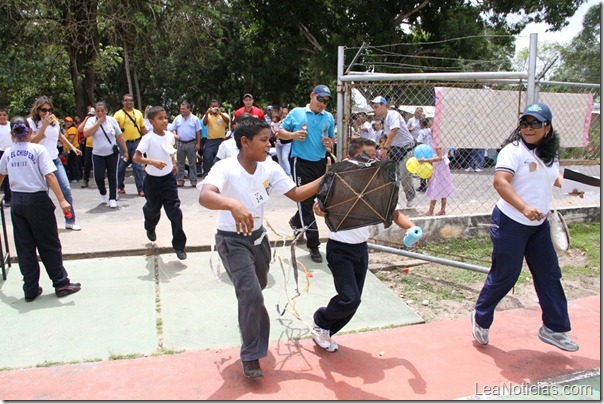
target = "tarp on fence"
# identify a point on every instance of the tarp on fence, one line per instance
(466, 118)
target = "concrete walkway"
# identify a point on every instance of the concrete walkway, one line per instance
(148, 326)
(436, 361)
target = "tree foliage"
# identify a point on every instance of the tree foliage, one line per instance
(167, 51)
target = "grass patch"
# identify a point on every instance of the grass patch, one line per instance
(586, 237)
(128, 356)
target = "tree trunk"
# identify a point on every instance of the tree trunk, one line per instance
(127, 67)
(138, 89)
(79, 19)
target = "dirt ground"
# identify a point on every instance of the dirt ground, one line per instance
(438, 292)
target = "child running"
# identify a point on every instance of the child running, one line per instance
(159, 184)
(348, 259)
(239, 188)
(32, 212)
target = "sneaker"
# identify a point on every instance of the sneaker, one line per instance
(252, 370)
(469, 169)
(103, 198)
(84, 185)
(193, 184)
(557, 339)
(180, 184)
(112, 203)
(315, 255)
(141, 193)
(72, 226)
(151, 235)
(67, 289)
(478, 170)
(323, 339)
(181, 255)
(121, 191)
(481, 335)
(38, 293)
(411, 202)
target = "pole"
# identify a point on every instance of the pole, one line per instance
(340, 138)
(437, 260)
(531, 94)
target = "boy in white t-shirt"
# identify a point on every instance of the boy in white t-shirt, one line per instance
(159, 184)
(32, 212)
(348, 259)
(239, 187)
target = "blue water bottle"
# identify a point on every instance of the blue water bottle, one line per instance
(412, 236)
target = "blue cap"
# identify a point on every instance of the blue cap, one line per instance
(379, 100)
(322, 91)
(539, 111)
(269, 108)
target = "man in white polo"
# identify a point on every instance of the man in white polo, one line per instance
(399, 145)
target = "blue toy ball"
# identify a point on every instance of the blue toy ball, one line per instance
(423, 151)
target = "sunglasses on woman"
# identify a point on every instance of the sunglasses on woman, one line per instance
(532, 124)
(46, 109)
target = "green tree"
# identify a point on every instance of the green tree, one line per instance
(580, 60)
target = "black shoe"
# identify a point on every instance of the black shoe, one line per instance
(421, 189)
(251, 369)
(68, 289)
(181, 255)
(315, 255)
(31, 299)
(151, 235)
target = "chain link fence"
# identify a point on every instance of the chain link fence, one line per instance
(473, 132)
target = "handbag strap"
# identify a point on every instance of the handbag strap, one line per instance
(551, 192)
(105, 133)
(133, 121)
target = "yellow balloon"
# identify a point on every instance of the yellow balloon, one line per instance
(412, 165)
(425, 170)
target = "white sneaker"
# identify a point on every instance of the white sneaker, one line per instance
(323, 339)
(411, 202)
(469, 169)
(478, 170)
(112, 203)
(72, 226)
(103, 198)
(481, 335)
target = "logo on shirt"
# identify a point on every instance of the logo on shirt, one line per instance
(267, 186)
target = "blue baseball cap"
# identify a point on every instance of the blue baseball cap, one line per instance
(379, 100)
(322, 91)
(539, 111)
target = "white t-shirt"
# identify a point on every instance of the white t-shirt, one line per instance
(425, 137)
(234, 182)
(5, 140)
(413, 126)
(100, 145)
(51, 137)
(394, 120)
(531, 181)
(227, 149)
(353, 236)
(158, 148)
(27, 164)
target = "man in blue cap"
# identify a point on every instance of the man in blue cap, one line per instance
(312, 130)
